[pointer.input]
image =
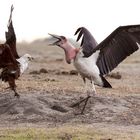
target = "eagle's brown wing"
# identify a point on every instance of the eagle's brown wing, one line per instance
(9, 65)
(10, 36)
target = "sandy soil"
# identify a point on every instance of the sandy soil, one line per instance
(50, 86)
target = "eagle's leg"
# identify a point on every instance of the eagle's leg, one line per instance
(12, 85)
(16, 94)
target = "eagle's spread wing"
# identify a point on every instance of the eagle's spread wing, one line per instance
(10, 36)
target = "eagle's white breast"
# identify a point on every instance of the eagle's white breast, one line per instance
(24, 61)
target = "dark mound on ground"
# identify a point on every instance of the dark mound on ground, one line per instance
(54, 108)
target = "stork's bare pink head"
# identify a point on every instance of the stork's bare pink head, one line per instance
(70, 50)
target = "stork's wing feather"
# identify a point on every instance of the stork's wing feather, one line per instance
(88, 42)
(117, 46)
(11, 37)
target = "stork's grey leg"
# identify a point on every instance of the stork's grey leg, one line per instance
(93, 87)
(85, 85)
(85, 100)
(81, 101)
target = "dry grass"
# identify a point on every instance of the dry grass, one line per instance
(81, 132)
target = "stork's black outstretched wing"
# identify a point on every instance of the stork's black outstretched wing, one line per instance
(11, 37)
(117, 46)
(88, 43)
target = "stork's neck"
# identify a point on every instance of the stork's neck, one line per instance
(70, 52)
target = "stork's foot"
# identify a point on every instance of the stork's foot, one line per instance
(78, 103)
(81, 101)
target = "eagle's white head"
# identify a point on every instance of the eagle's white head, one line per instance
(24, 61)
(26, 57)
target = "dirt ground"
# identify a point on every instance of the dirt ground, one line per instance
(50, 86)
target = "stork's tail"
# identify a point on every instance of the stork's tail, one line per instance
(106, 84)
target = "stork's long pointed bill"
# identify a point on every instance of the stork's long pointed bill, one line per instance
(55, 36)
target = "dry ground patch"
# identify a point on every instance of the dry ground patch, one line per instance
(50, 86)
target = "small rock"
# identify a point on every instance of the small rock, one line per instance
(65, 72)
(42, 70)
(34, 72)
(73, 72)
(116, 75)
(59, 108)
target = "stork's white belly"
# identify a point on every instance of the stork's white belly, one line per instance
(87, 67)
